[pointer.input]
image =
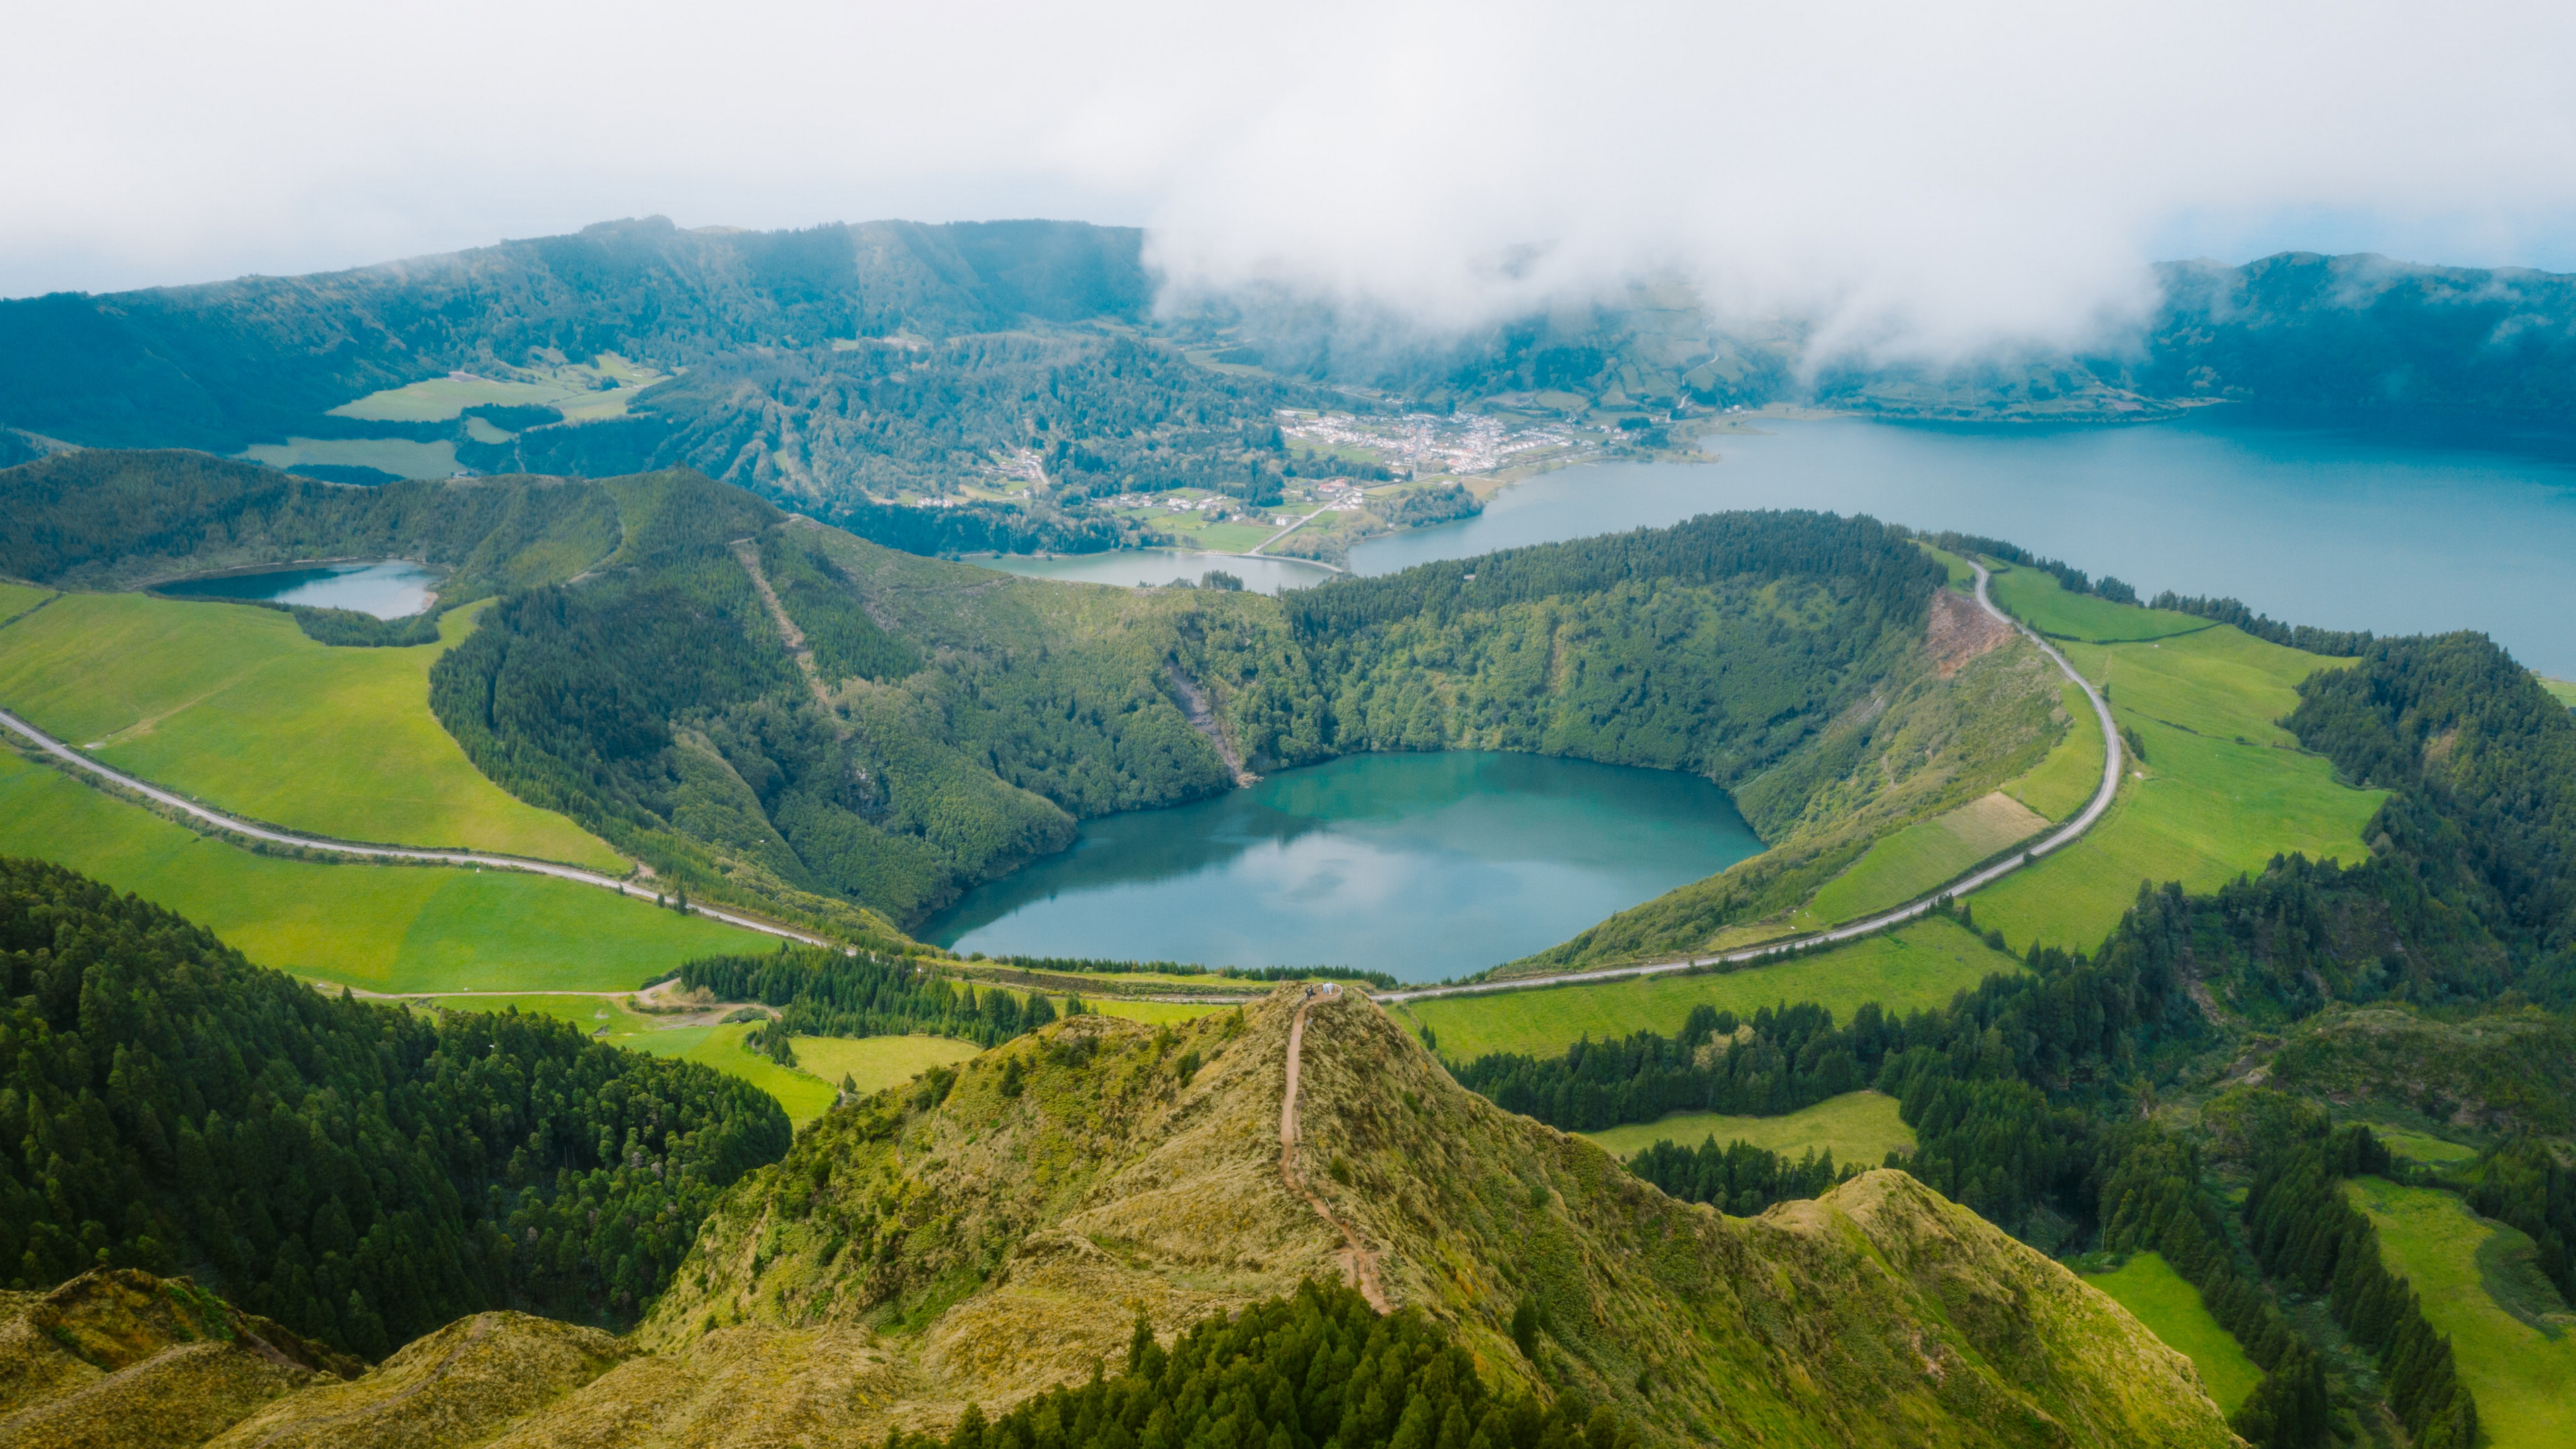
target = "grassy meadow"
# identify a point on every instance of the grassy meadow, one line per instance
(2167, 1304)
(574, 390)
(2507, 1326)
(2036, 599)
(1856, 1127)
(2072, 770)
(390, 928)
(1919, 966)
(2419, 1147)
(878, 1061)
(2561, 690)
(238, 708)
(1920, 857)
(2221, 790)
(804, 1095)
(17, 599)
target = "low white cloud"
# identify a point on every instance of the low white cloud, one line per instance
(1922, 177)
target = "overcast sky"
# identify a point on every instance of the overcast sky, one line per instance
(1930, 172)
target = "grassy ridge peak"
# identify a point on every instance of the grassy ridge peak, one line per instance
(974, 1227)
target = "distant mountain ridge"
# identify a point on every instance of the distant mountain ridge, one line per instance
(225, 364)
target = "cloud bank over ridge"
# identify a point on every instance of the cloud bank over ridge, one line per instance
(1921, 178)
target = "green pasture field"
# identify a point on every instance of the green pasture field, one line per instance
(804, 1095)
(2222, 789)
(440, 398)
(236, 707)
(2171, 1308)
(1215, 537)
(1857, 1128)
(2036, 599)
(2508, 1327)
(1919, 966)
(590, 1012)
(2422, 1148)
(878, 1061)
(1962, 577)
(1914, 860)
(2561, 690)
(17, 599)
(574, 390)
(401, 457)
(1152, 1013)
(389, 928)
(2067, 776)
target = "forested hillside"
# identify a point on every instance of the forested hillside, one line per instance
(2401, 982)
(357, 1172)
(227, 364)
(110, 520)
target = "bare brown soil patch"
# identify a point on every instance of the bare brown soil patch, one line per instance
(1960, 631)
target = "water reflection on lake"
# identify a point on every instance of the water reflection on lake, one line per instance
(1425, 866)
(390, 589)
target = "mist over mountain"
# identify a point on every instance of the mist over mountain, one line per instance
(836, 365)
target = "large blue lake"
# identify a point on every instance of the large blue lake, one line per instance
(2311, 527)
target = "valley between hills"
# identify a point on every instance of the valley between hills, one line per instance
(1902, 1128)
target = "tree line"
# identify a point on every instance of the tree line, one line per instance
(2070, 578)
(2335, 643)
(824, 992)
(1314, 1369)
(357, 1172)
(1868, 559)
(2306, 1233)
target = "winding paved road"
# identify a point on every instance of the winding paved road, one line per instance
(221, 821)
(2111, 762)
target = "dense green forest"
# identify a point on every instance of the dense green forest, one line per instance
(357, 1172)
(1738, 1178)
(829, 993)
(1320, 1368)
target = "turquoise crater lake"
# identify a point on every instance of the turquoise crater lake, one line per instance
(1420, 865)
